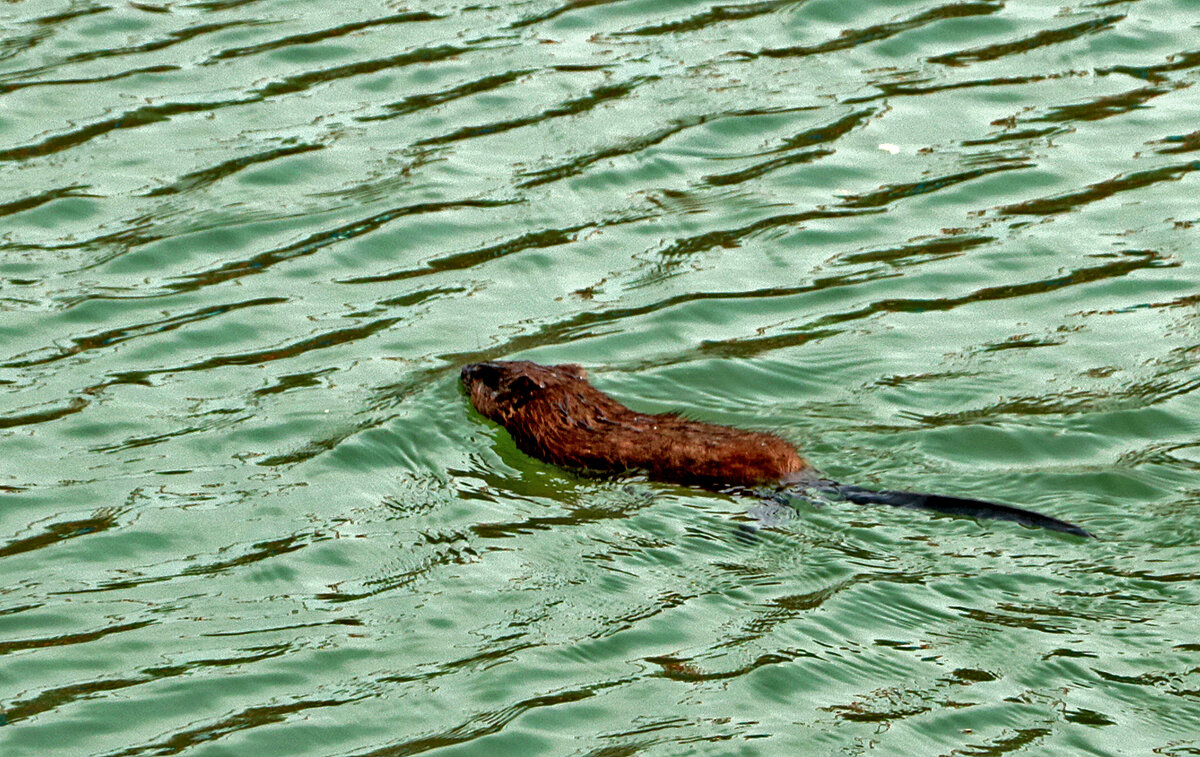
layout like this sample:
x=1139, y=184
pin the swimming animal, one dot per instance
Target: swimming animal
x=554, y=414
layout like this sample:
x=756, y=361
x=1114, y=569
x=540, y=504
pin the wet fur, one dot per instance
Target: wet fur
x=554, y=414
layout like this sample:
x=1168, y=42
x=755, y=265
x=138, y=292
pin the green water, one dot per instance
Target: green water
x=245, y=246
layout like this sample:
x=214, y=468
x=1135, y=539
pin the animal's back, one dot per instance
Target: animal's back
x=555, y=414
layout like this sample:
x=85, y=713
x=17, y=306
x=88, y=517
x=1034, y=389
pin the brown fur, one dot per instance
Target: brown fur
x=554, y=414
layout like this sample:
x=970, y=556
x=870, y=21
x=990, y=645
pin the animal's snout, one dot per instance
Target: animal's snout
x=479, y=372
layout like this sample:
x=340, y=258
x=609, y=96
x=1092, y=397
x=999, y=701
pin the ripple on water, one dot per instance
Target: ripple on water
x=244, y=505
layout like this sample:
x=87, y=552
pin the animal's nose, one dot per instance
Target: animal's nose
x=477, y=371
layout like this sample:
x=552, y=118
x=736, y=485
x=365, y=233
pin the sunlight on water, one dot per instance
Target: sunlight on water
x=246, y=245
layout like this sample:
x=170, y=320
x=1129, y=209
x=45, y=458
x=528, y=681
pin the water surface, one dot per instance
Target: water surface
x=245, y=246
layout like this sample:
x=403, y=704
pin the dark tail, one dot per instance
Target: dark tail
x=974, y=508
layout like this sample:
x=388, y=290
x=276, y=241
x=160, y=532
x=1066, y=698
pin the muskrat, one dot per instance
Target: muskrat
x=555, y=415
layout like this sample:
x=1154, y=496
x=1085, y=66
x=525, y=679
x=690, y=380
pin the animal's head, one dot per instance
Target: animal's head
x=500, y=389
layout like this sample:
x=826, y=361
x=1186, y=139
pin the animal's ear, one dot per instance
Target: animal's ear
x=524, y=385
x=575, y=369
